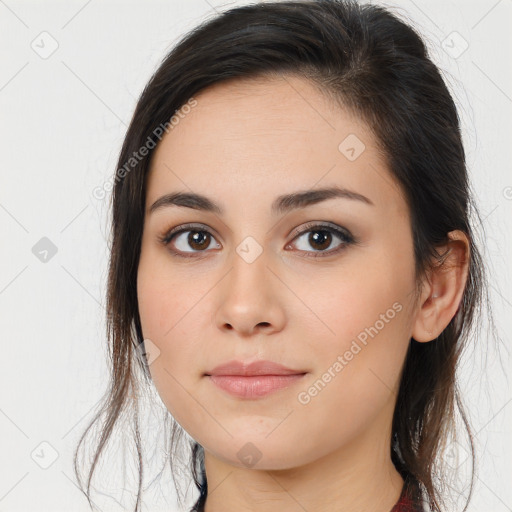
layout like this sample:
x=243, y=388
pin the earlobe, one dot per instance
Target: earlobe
x=443, y=290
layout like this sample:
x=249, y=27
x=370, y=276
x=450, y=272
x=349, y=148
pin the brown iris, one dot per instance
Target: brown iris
x=197, y=239
x=319, y=239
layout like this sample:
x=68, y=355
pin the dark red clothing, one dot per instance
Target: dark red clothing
x=405, y=503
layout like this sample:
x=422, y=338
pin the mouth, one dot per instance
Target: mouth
x=254, y=379
x=254, y=386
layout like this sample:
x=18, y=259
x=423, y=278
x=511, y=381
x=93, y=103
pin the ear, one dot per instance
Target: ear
x=442, y=290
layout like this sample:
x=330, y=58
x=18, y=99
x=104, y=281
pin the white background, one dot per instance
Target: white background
x=63, y=119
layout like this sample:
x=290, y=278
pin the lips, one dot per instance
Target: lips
x=255, y=368
x=253, y=380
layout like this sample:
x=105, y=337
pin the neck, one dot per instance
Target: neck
x=357, y=478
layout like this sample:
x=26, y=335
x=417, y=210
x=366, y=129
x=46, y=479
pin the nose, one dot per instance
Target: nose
x=250, y=298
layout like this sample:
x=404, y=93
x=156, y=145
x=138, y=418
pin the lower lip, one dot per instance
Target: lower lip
x=254, y=386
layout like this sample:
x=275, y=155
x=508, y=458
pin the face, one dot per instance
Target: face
x=322, y=285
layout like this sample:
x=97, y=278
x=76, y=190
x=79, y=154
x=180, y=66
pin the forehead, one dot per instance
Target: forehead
x=280, y=109
x=265, y=134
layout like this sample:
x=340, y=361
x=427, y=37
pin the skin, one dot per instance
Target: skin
x=243, y=144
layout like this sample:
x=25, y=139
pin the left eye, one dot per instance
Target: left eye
x=320, y=238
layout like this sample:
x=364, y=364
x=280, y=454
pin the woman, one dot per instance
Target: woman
x=292, y=263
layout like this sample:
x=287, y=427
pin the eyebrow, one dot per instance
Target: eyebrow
x=282, y=204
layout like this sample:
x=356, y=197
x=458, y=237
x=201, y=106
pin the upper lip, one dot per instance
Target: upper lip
x=254, y=368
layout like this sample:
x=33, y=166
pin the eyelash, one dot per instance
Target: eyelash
x=346, y=237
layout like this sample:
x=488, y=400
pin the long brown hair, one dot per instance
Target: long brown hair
x=377, y=66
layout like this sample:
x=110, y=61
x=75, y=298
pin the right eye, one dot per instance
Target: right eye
x=182, y=238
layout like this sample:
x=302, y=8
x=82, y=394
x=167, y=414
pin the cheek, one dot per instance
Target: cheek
x=163, y=315
x=365, y=331
x=165, y=301
x=169, y=308
x=357, y=366
x=362, y=302
x=167, y=316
